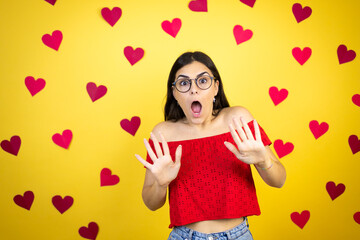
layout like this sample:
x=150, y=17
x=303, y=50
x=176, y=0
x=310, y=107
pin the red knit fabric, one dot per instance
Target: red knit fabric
x=212, y=183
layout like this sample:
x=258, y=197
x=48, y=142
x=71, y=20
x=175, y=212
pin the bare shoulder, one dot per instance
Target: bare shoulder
x=237, y=112
x=165, y=128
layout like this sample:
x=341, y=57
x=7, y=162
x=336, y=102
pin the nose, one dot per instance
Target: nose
x=193, y=88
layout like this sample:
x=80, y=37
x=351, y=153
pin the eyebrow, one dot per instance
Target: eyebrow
x=200, y=74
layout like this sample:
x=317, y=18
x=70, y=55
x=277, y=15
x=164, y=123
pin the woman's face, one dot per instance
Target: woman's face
x=196, y=103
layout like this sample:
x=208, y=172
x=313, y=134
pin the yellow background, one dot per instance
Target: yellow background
x=92, y=51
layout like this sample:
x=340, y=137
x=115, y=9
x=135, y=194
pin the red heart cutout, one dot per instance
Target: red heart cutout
x=52, y=2
x=354, y=144
x=278, y=96
x=301, y=13
x=334, y=190
x=301, y=55
x=345, y=55
x=171, y=28
x=89, y=232
x=63, y=140
x=53, y=41
x=133, y=56
x=250, y=3
x=198, y=5
x=241, y=35
x=356, y=99
x=34, y=86
x=95, y=92
x=12, y=146
x=131, y=126
x=111, y=16
x=357, y=217
x=62, y=204
x=25, y=201
x=283, y=149
x=318, y=129
x=300, y=219
x=106, y=179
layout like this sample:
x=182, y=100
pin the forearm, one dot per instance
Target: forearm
x=274, y=175
x=154, y=196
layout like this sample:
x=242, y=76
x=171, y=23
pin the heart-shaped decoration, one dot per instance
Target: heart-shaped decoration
x=53, y=41
x=95, y=92
x=357, y=217
x=356, y=99
x=301, y=55
x=300, y=219
x=12, y=146
x=107, y=179
x=111, y=16
x=278, y=96
x=62, y=204
x=301, y=13
x=131, y=126
x=63, y=140
x=354, y=144
x=34, y=86
x=250, y=3
x=345, y=55
x=172, y=28
x=25, y=201
x=198, y=6
x=242, y=35
x=318, y=129
x=133, y=56
x=52, y=2
x=334, y=190
x=89, y=232
x=283, y=149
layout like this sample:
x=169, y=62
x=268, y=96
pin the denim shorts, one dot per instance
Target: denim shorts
x=240, y=232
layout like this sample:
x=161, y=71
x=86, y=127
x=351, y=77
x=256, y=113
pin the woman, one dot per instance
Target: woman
x=202, y=152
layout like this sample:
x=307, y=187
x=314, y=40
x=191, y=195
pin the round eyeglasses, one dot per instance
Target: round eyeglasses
x=183, y=84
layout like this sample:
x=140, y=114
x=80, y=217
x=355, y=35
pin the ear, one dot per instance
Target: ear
x=174, y=92
x=216, y=85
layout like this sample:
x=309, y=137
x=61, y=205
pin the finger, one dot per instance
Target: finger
x=150, y=151
x=235, y=136
x=158, y=150
x=145, y=163
x=239, y=129
x=257, y=131
x=178, y=154
x=232, y=148
x=249, y=134
x=165, y=145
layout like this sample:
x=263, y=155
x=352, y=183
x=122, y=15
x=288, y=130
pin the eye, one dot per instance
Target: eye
x=183, y=82
x=203, y=80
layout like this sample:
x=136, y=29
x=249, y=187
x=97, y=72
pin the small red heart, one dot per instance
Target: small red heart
x=250, y=3
x=356, y=99
x=25, y=201
x=62, y=204
x=278, y=96
x=95, y=92
x=106, y=179
x=283, y=149
x=318, y=129
x=345, y=55
x=131, y=126
x=52, y=2
x=301, y=13
x=111, y=16
x=53, y=41
x=89, y=232
x=172, y=28
x=198, y=6
x=334, y=190
x=12, y=146
x=301, y=55
x=357, y=217
x=63, y=140
x=133, y=56
x=242, y=35
x=34, y=86
x=354, y=144
x=300, y=219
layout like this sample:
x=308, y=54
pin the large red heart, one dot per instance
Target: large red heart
x=62, y=204
x=25, y=201
x=133, y=56
x=345, y=55
x=241, y=35
x=172, y=28
x=63, y=140
x=131, y=126
x=107, y=179
x=278, y=96
x=111, y=16
x=357, y=217
x=318, y=129
x=300, y=219
x=12, y=146
x=301, y=55
x=53, y=41
x=34, y=86
x=52, y=2
x=250, y=3
x=301, y=13
x=334, y=190
x=89, y=232
x=198, y=6
x=283, y=149
x=354, y=144
x=356, y=99
x=95, y=92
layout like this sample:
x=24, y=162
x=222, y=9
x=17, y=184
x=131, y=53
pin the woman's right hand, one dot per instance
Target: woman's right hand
x=163, y=168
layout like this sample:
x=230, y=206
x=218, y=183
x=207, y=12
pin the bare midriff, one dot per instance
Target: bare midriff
x=214, y=226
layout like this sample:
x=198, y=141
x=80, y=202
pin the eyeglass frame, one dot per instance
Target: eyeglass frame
x=195, y=80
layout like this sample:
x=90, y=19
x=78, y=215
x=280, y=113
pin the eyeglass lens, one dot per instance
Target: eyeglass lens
x=184, y=84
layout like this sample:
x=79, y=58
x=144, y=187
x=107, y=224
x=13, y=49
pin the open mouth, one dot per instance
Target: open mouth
x=196, y=108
